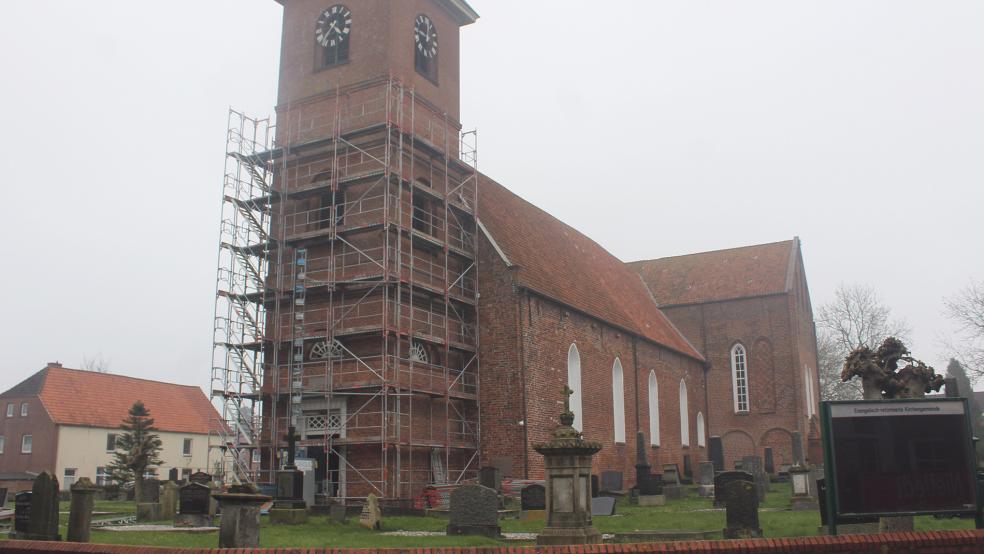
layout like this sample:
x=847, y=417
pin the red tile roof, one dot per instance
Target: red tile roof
x=560, y=263
x=90, y=399
x=720, y=275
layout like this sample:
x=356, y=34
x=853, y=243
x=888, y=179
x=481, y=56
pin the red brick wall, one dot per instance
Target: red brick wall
x=951, y=542
x=44, y=437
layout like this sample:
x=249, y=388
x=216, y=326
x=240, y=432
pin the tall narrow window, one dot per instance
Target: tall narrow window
x=574, y=382
x=10, y=410
x=739, y=378
x=26, y=444
x=653, y=409
x=333, y=34
x=808, y=390
x=684, y=415
x=186, y=450
x=102, y=476
x=111, y=442
x=24, y=409
x=3, y=443
x=701, y=441
x=618, y=400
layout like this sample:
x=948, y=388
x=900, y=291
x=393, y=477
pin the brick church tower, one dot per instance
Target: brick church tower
x=371, y=343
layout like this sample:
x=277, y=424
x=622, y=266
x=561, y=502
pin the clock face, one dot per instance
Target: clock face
x=334, y=26
x=425, y=36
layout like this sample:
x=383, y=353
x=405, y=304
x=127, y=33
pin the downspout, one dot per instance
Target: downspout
x=707, y=369
x=635, y=364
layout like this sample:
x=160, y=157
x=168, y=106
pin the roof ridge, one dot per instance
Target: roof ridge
x=94, y=373
x=719, y=250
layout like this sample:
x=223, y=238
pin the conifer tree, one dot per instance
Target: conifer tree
x=137, y=449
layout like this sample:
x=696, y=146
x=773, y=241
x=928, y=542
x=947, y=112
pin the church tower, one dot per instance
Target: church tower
x=370, y=344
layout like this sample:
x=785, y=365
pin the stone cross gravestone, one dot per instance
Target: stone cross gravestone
x=490, y=477
x=611, y=481
x=603, y=506
x=80, y=510
x=715, y=452
x=474, y=511
x=193, y=503
x=723, y=478
x=371, y=516
x=36, y=514
x=533, y=497
x=741, y=509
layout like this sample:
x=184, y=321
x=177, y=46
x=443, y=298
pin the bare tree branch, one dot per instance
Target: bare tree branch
x=966, y=309
x=98, y=364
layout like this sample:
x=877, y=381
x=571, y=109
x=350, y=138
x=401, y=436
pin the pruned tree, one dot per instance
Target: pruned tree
x=856, y=318
x=97, y=364
x=955, y=370
x=966, y=309
x=137, y=450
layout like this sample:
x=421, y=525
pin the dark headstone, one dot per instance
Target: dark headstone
x=36, y=513
x=603, y=506
x=22, y=512
x=798, y=458
x=652, y=485
x=642, y=465
x=3, y=497
x=741, y=509
x=611, y=481
x=705, y=473
x=474, y=511
x=770, y=463
x=151, y=491
x=715, y=452
x=595, y=486
x=172, y=475
x=337, y=513
x=688, y=470
x=193, y=504
x=490, y=477
x=533, y=497
x=723, y=478
x=80, y=510
x=200, y=477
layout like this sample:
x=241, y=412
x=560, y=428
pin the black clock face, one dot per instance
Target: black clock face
x=334, y=26
x=425, y=36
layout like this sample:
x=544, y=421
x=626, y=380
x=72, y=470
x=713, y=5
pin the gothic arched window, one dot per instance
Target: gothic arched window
x=574, y=382
x=653, y=409
x=739, y=378
x=684, y=415
x=618, y=400
x=701, y=441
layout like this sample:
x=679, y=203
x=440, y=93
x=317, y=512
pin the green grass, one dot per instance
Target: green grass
x=691, y=513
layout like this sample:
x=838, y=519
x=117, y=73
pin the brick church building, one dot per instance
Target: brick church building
x=411, y=320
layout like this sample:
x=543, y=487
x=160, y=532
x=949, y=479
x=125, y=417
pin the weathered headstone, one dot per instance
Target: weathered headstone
x=490, y=477
x=372, y=516
x=3, y=497
x=723, y=478
x=798, y=458
x=753, y=465
x=769, y=460
x=240, y=524
x=36, y=513
x=671, y=474
x=170, y=496
x=533, y=497
x=193, y=502
x=200, y=477
x=172, y=475
x=474, y=511
x=715, y=452
x=603, y=506
x=688, y=470
x=611, y=481
x=22, y=513
x=80, y=510
x=705, y=477
x=289, y=508
x=741, y=509
x=337, y=513
x=150, y=491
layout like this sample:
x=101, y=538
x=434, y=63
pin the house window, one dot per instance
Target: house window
x=739, y=378
x=701, y=441
x=26, y=444
x=684, y=417
x=24, y=409
x=69, y=478
x=102, y=476
x=653, y=409
x=574, y=382
x=186, y=474
x=3, y=443
x=10, y=410
x=618, y=400
x=111, y=442
x=186, y=450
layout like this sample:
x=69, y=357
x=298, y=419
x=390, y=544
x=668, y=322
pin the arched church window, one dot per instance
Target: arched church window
x=574, y=382
x=739, y=378
x=653, y=409
x=333, y=35
x=701, y=440
x=684, y=415
x=618, y=400
x=425, y=47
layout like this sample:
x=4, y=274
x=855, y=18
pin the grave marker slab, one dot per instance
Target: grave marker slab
x=150, y=491
x=725, y=477
x=595, y=486
x=22, y=512
x=193, y=504
x=3, y=497
x=611, y=481
x=603, y=506
x=741, y=505
x=533, y=497
x=490, y=477
x=688, y=470
x=371, y=516
x=474, y=511
x=754, y=465
x=671, y=475
x=769, y=460
x=715, y=452
x=36, y=513
x=170, y=496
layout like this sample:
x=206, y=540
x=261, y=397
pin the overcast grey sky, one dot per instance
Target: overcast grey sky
x=655, y=127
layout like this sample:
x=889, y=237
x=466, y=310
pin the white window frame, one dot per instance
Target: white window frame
x=701, y=430
x=684, y=414
x=102, y=476
x=653, y=409
x=739, y=378
x=618, y=400
x=187, y=447
x=808, y=391
x=10, y=409
x=574, y=383
x=3, y=444
x=69, y=480
x=23, y=409
x=27, y=444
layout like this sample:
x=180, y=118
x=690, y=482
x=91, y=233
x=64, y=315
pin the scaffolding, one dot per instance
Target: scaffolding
x=366, y=306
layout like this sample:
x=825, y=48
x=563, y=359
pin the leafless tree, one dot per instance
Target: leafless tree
x=966, y=309
x=99, y=364
x=856, y=317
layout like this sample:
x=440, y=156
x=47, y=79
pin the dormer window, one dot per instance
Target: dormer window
x=333, y=35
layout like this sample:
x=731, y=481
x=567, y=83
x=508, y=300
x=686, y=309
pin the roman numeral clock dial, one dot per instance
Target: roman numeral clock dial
x=425, y=36
x=334, y=26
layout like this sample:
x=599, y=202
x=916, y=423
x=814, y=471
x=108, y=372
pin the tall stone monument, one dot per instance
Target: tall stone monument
x=289, y=507
x=80, y=510
x=240, y=524
x=567, y=460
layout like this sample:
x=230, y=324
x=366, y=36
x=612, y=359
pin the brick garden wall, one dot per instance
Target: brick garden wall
x=950, y=542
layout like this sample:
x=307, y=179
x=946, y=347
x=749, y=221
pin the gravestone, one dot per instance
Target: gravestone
x=723, y=478
x=533, y=497
x=80, y=510
x=3, y=497
x=595, y=486
x=715, y=452
x=371, y=517
x=798, y=458
x=770, y=464
x=741, y=510
x=240, y=524
x=490, y=477
x=611, y=481
x=474, y=511
x=753, y=465
x=671, y=474
x=193, y=503
x=151, y=491
x=172, y=475
x=36, y=513
x=337, y=513
x=705, y=477
x=200, y=477
x=170, y=495
x=603, y=506
x=688, y=470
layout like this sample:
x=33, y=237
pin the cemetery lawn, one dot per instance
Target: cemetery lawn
x=692, y=513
